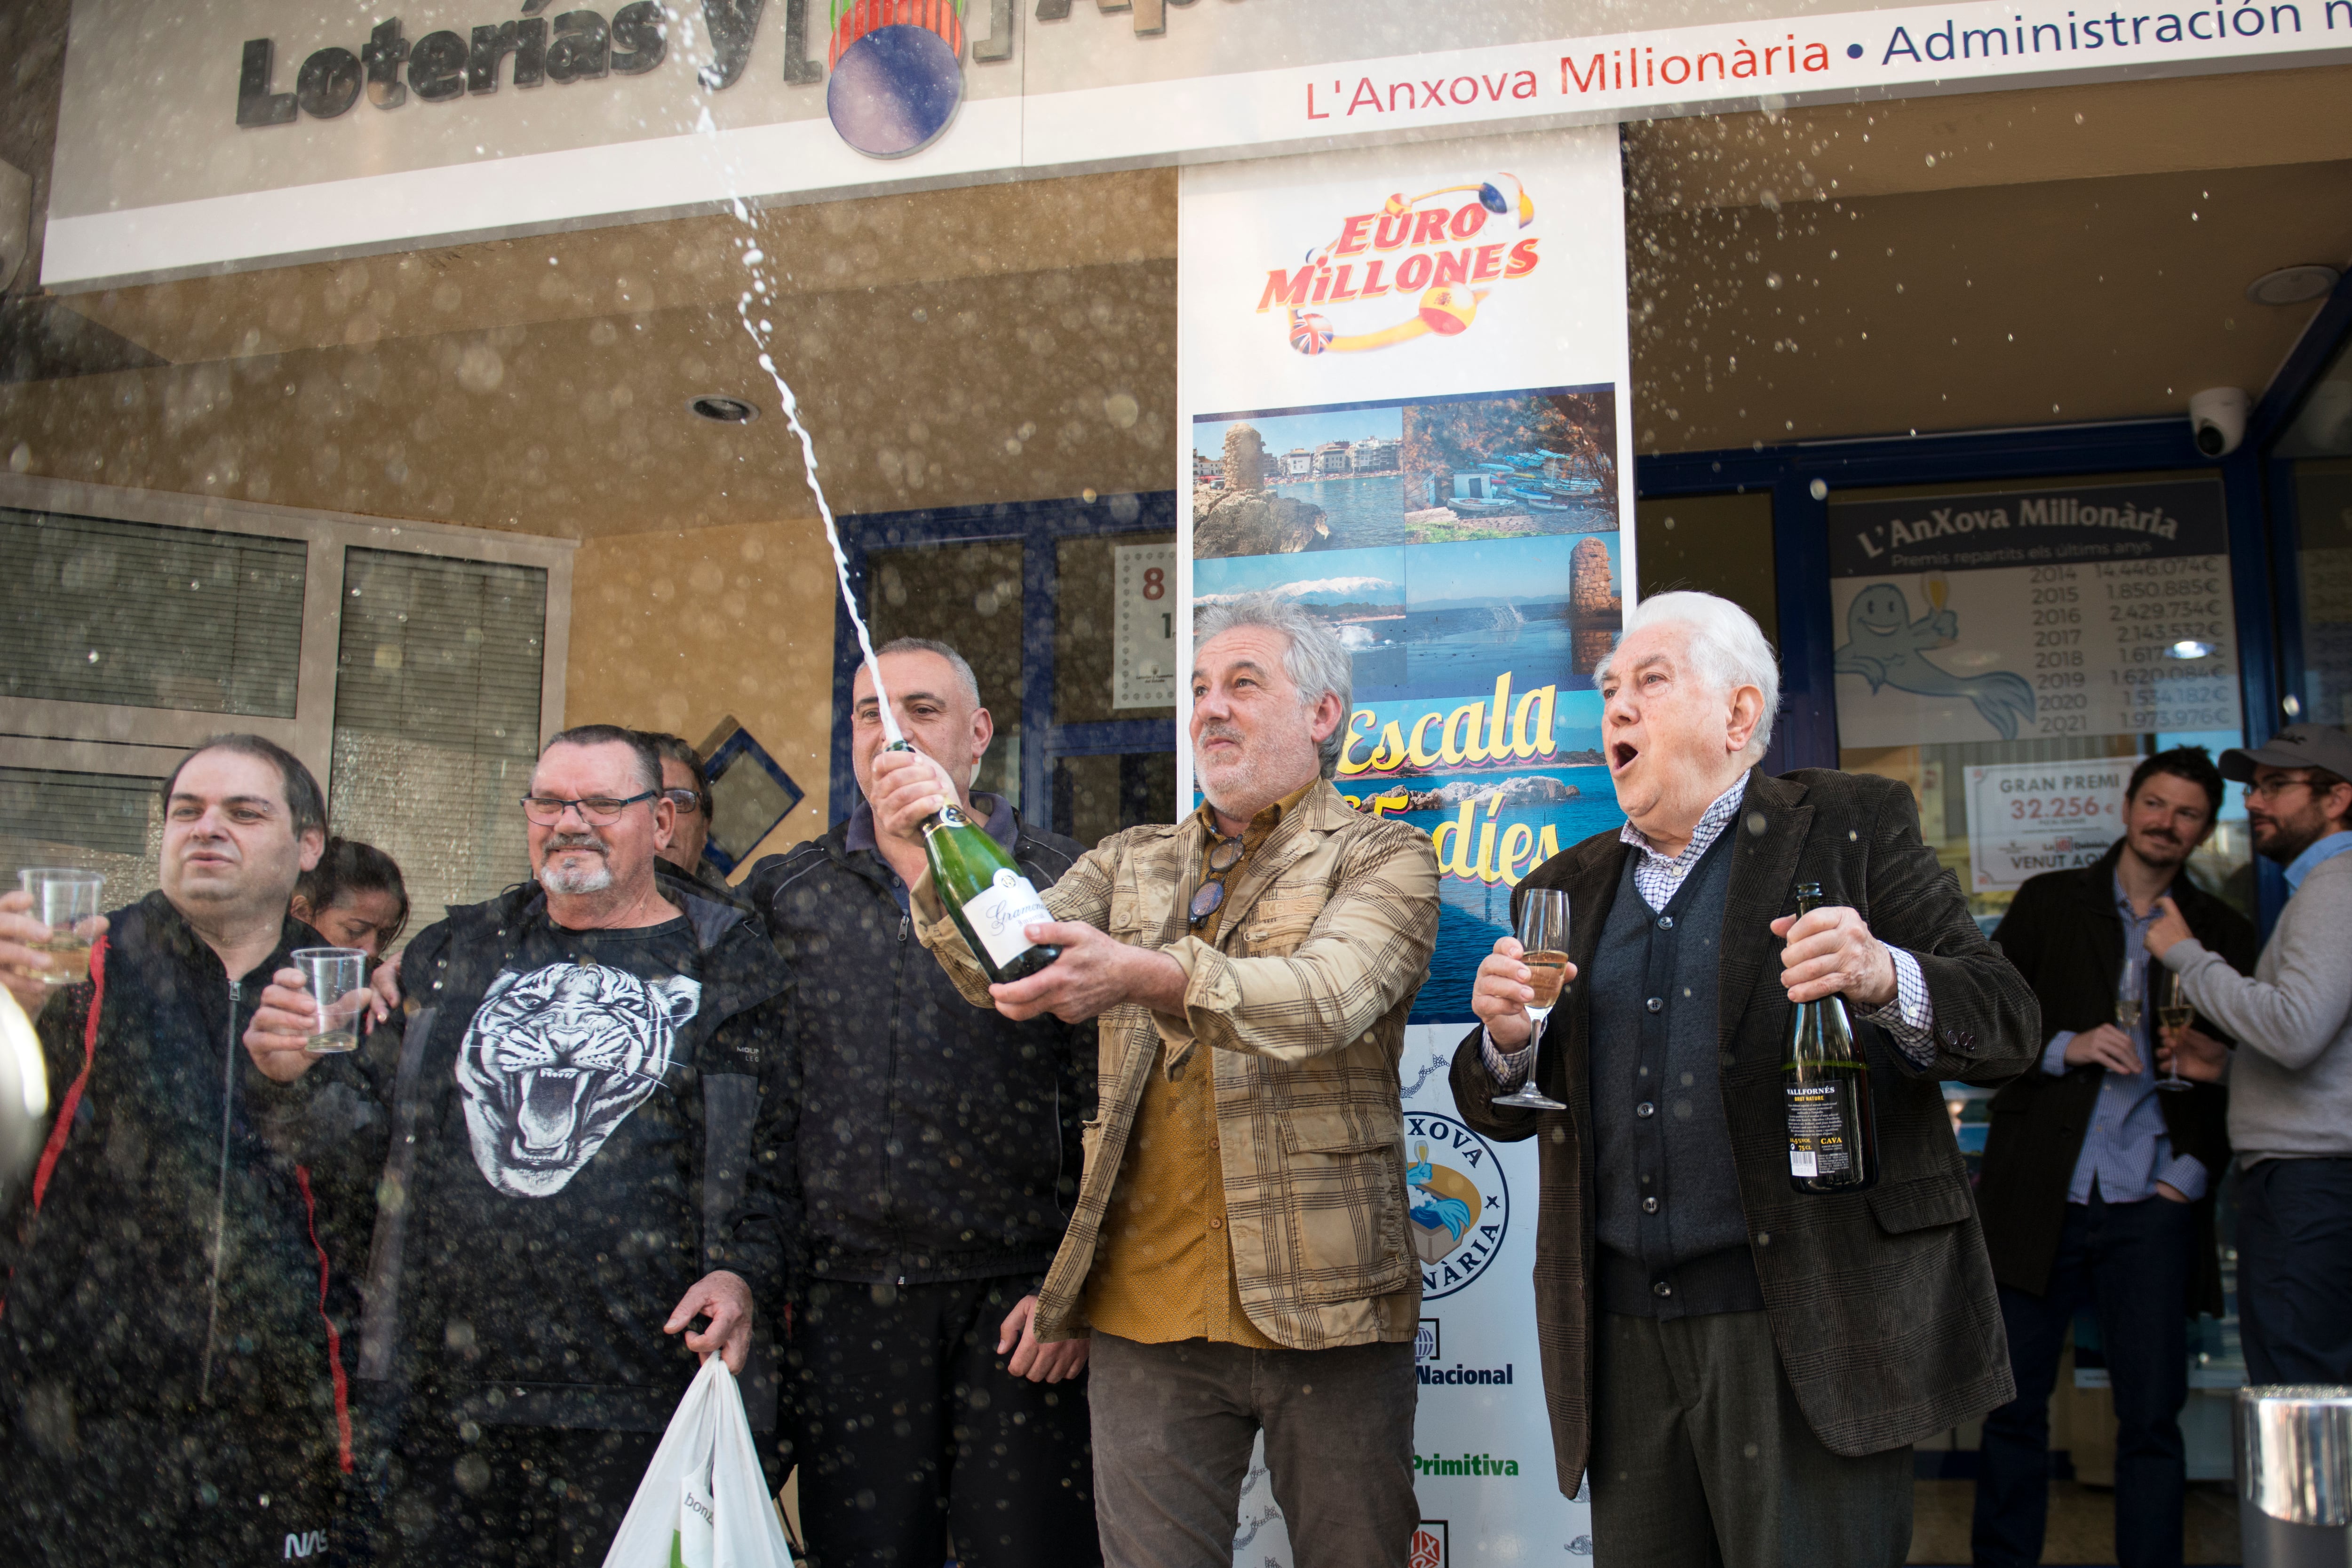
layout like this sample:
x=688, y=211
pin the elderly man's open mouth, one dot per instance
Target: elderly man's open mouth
x=1621, y=754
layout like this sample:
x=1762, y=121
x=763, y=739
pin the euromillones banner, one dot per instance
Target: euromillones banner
x=1401, y=377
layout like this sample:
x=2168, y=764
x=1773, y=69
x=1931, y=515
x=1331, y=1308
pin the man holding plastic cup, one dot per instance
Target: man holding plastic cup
x=579, y=1195
x=169, y=1358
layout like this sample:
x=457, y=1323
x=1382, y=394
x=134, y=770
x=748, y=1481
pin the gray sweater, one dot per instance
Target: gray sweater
x=2291, y=1076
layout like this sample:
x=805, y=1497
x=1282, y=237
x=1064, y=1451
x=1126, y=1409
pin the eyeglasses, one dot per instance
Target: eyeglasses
x=596, y=810
x=1210, y=898
x=684, y=799
x=2272, y=788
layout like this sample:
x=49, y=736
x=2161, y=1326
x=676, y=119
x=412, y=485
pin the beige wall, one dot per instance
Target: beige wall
x=678, y=629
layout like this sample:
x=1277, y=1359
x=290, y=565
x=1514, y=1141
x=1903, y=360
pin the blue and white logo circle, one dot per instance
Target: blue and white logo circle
x=894, y=89
x=1457, y=1202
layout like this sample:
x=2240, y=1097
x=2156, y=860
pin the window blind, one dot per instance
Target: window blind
x=437, y=718
x=101, y=822
x=133, y=615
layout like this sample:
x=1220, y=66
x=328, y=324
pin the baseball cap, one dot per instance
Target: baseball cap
x=2297, y=746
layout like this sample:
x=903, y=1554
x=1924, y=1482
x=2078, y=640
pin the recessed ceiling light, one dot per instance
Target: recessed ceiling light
x=2293, y=285
x=722, y=409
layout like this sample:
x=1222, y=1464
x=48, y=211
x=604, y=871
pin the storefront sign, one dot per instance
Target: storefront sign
x=2034, y=615
x=478, y=125
x=1143, y=628
x=1400, y=375
x=2025, y=818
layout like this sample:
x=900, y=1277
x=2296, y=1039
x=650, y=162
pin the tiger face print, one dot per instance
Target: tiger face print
x=555, y=1060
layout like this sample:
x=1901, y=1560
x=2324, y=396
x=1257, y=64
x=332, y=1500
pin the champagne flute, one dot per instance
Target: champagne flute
x=2174, y=1013
x=1543, y=934
x=2127, y=998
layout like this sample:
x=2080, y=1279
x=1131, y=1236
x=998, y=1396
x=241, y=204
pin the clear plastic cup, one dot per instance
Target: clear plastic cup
x=64, y=899
x=336, y=978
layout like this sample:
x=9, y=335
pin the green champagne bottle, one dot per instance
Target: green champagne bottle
x=985, y=892
x=1833, y=1129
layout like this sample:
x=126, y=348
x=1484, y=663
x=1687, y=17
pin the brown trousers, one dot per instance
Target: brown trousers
x=1174, y=1426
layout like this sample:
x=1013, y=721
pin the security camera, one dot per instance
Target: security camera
x=2218, y=415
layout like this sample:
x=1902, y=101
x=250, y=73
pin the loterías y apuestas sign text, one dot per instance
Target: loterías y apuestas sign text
x=584, y=45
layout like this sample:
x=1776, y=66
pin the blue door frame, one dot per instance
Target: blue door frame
x=1040, y=526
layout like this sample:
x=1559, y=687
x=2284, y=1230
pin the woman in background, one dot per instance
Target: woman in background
x=354, y=897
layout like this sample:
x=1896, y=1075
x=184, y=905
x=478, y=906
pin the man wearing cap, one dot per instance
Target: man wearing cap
x=2290, y=1079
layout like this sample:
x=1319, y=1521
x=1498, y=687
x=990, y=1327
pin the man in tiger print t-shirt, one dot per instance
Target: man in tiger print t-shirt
x=578, y=1191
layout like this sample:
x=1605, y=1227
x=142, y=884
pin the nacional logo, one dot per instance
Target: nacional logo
x=1458, y=1204
x=1443, y=253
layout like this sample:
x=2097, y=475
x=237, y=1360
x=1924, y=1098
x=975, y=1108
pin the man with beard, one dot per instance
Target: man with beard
x=585, y=1137
x=2291, y=1076
x=181, y=1274
x=1747, y=1366
x=1238, y=1252
x=2097, y=1187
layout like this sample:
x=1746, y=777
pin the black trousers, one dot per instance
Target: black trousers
x=2130, y=1262
x=1701, y=1457
x=218, y=1491
x=909, y=1428
x=534, y=1497
x=2295, y=1270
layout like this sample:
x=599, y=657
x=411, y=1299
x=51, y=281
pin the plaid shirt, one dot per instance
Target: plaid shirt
x=1323, y=938
x=1910, y=1020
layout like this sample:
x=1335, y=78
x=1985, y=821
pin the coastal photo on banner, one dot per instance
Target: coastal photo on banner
x=1403, y=395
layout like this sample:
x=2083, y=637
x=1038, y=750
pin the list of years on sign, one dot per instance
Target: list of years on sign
x=2108, y=646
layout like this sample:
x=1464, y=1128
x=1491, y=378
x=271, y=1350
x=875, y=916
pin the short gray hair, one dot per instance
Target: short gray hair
x=1314, y=661
x=1725, y=643
x=956, y=661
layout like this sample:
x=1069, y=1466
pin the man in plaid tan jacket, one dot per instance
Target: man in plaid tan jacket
x=1239, y=1255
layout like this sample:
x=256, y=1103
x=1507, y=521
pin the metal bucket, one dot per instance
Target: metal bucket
x=2294, y=1447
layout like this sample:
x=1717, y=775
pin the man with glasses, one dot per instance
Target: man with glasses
x=685, y=788
x=1239, y=1251
x=2291, y=1077
x=585, y=1139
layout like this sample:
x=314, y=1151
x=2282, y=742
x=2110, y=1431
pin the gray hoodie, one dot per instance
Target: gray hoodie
x=2291, y=1076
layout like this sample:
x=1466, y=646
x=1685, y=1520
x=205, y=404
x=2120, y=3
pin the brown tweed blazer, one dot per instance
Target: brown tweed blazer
x=1302, y=1003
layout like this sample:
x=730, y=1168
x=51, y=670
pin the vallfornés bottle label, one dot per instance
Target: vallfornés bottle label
x=1001, y=913
x=1817, y=1122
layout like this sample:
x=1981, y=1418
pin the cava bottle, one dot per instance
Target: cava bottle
x=985, y=894
x=1832, y=1133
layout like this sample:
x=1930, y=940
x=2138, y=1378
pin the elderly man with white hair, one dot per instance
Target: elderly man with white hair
x=1743, y=1367
x=1238, y=1255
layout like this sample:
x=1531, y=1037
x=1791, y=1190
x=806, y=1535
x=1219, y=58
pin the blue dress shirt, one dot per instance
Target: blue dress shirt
x=2301, y=866
x=2126, y=1150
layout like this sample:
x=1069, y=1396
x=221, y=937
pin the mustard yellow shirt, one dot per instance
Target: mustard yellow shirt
x=1163, y=1266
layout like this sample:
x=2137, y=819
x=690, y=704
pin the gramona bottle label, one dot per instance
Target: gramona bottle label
x=1001, y=913
x=1817, y=1141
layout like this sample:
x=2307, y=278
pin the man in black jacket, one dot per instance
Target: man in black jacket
x=1747, y=1365
x=587, y=1137
x=939, y=1159
x=182, y=1272
x=2097, y=1187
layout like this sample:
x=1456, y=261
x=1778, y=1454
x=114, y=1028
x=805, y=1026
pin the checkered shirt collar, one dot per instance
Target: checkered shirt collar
x=1658, y=876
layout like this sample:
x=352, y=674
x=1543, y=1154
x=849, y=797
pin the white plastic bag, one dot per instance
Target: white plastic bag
x=703, y=1503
